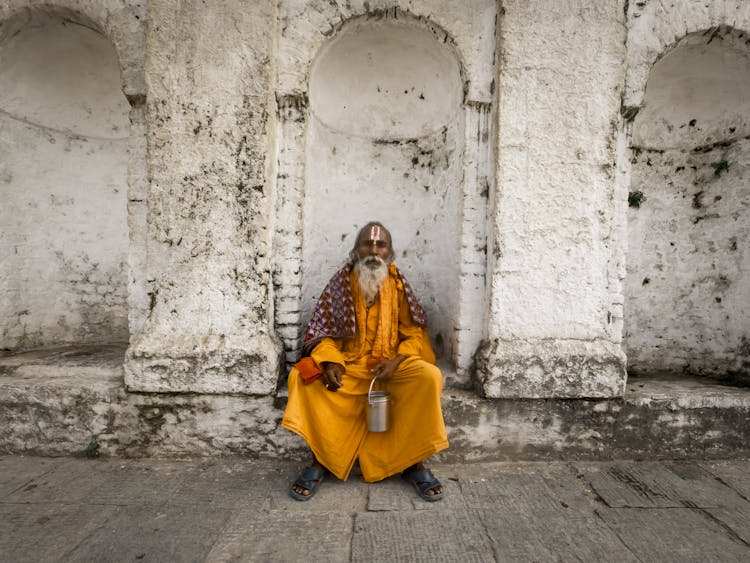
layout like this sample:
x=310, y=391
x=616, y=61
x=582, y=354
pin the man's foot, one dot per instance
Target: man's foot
x=306, y=485
x=426, y=484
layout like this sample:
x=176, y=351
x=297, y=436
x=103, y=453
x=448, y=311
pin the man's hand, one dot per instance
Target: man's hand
x=385, y=368
x=332, y=373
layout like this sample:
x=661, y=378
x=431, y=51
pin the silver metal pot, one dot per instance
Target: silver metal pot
x=377, y=409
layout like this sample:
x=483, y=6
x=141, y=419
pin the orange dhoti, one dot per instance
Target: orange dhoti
x=334, y=424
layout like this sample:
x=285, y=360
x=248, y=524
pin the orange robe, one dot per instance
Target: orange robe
x=334, y=424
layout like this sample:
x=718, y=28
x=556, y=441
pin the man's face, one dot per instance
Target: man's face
x=375, y=241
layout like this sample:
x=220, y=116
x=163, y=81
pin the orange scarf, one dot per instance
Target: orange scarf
x=386, y=336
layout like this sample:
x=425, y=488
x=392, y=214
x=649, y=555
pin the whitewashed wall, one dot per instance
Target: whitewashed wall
x=63, y=172
x=687, y=295
x=210, y=121
x=385, y=142
x=346, y=127
x=555, y=298
x=238, y=208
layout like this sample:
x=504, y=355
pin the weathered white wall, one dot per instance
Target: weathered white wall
x=63, y=171
x=687, y=295
x=392, y=140
x=306, y=25
x=385, y=142
x=210, y=153
x=552, y=329
x=242, y=105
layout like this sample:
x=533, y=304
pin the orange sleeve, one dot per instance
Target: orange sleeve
x=409, y=334
x=328, y=350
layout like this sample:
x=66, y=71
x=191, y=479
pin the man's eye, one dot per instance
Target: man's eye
x=380, y=244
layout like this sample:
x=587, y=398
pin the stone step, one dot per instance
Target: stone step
x=70, y=400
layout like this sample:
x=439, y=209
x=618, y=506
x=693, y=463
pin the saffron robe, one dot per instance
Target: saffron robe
x=334, y=424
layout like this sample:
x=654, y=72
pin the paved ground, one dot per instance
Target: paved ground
x=230, y=509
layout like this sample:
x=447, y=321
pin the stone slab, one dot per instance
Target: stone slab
x=100, y=482
x=152, y=533
x=535, y=489
x=70, y=482
x=660, y=485
x=674, y=535
x=736, y=521
x=530, y=536
x=424, y=535
x=96, y=368
x=46, y=532
x=684, y=392
x=229, y=484
x=395, y=494
x=654, y=485
x=18, y=472
x=699, y=487
x=346, y=496
x=732, y=473
x=284, y=535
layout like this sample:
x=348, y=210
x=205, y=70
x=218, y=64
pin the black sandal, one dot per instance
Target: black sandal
x=309, y=479
x=423, y=480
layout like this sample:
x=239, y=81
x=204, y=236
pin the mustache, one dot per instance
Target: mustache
x=374, y=261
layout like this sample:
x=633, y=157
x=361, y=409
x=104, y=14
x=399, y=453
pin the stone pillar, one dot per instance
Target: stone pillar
x=551, y=331
x=208, y=79
x=138, y=298
x=290, y=182
x=477, y=185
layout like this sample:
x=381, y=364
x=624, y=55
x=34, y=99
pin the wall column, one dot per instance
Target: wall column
x=551, y=331
x=208, y=328
x=290, y=182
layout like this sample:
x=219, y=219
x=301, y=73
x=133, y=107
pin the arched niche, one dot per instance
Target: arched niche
x=391, y=124
x=64, y=140
x=385, y=141
x=687, y=292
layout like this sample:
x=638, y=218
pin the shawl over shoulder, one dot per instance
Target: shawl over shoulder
x=334, y=315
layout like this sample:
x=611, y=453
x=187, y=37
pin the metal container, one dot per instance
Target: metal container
x=377, y=409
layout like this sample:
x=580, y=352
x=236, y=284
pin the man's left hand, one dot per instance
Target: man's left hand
x=386, y=368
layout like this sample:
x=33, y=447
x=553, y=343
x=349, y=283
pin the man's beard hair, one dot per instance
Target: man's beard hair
x=371, y=272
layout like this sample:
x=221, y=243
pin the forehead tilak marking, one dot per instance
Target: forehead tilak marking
x=375, y=233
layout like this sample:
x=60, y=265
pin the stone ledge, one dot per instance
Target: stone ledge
x=206, y=365
x=51, y=405
x=551, y=368
x=658, y=418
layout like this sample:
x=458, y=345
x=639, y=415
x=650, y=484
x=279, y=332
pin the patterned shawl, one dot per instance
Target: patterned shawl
x=334, y=314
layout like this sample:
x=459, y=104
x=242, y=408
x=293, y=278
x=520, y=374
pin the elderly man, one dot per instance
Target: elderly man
x=368, y=323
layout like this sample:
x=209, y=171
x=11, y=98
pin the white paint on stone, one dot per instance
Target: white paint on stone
x=121, y=21
x=552, y=294
x=385, y=142
x=209, y=136
x=63, y=169
x=687, y=291
x=306, y=25
x=696, y=94
x=235, y=150
x=654, y=27
x=440, y=139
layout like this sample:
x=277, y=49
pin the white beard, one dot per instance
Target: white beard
x=371, y=272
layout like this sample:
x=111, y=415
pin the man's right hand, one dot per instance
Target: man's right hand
x=332, y=373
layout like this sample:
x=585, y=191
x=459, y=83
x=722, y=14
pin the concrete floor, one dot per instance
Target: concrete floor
x=233, y=509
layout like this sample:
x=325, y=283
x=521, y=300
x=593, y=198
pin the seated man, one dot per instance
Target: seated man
x=368, y=323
